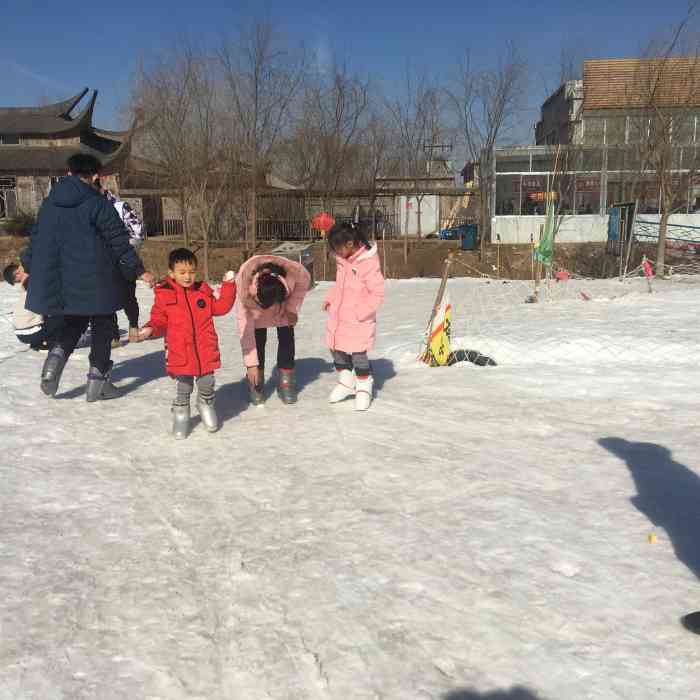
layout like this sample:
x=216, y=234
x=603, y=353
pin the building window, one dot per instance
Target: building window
x=594, y=131
x=8, y=197
x=508, y=195
x=8, y=140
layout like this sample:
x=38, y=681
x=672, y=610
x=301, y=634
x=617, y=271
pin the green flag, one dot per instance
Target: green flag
x=545, y=248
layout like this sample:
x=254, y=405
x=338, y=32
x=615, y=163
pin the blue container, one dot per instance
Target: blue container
x=470, y=236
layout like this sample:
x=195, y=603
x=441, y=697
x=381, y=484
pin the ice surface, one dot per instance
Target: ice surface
x=483, y=530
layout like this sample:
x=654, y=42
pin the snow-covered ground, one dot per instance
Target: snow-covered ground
x=529, y=531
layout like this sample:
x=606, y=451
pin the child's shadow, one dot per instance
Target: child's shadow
x=383, y=371
x=140, y=370
x=232, y=399
x=309, y=369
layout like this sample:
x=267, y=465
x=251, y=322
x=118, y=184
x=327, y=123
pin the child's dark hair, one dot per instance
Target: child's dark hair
x=347, y=233
x=84, y=165
x=270, y=290
x=181, y=255
x=9, y=273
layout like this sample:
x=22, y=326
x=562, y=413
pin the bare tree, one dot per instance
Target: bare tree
x=177, y=99
x=571, y=57
x=378, y=155
x=418, y=122
x=324, y=149
x=486, y=103
x=666, y=95
x=262, y=79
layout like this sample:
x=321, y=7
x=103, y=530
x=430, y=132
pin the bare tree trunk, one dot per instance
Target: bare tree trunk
x=205, y=266
x=419, y=230
x=253, y=220
x=661, y=249
x=484, y=223
x=183, y=214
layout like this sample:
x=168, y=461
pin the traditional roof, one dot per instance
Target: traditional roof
x=40, y=160
x=111, y=147
x=49, y=120
x=638, y=83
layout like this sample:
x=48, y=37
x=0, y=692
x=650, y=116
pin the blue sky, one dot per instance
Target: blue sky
x=50, y=50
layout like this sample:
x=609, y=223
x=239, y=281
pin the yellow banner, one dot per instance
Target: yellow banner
x=439, y=342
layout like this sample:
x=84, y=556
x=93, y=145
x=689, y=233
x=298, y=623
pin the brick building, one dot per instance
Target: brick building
x=609, y=107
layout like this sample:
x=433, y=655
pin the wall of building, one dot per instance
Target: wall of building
x=407, y=214
x=72, y=141
x=559, y=114
x=26, y=194
x=574, y=229
x=589, y=228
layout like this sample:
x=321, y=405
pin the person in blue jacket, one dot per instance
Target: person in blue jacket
x=80, y=260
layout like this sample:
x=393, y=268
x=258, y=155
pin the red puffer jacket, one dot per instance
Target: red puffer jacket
x=185, y=316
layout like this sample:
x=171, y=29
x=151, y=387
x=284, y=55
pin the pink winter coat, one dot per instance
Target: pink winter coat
x=251, y=316
x=353, y=302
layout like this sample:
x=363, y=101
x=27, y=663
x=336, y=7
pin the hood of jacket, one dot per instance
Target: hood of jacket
x=70, y=192
x=362, y=254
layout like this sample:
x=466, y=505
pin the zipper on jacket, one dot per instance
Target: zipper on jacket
x=194, y=333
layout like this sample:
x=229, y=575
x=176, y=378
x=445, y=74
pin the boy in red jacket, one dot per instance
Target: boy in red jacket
x=183, y=312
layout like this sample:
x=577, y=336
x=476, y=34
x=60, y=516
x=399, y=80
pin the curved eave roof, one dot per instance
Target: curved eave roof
x=51, y=120
x=120, y=136
x=39, y=160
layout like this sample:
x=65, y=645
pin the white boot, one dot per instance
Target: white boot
x=363, y=393
x=345, y=386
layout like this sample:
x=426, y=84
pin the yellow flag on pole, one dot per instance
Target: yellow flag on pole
x=439, y=341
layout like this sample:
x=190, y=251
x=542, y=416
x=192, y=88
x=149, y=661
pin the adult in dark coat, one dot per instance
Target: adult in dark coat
x=80, y=259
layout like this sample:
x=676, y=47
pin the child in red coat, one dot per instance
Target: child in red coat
x=183, y=312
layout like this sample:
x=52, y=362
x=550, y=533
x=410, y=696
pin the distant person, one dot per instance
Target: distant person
x=80, y=259
x=183, y=312
x=352, y=306
x=134, y=227
x=30, y=328
x=271, y=290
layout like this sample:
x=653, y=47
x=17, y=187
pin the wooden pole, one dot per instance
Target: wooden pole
x=538, y=272
x=498, y=256
x=386, y=272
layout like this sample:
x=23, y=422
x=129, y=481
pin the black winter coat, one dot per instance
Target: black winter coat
x=79, y=256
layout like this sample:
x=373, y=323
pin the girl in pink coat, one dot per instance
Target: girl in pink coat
x=271, y=291
x=352, y=313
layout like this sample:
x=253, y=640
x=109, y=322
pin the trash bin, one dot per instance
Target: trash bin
x=470, y=236
x=298, y=252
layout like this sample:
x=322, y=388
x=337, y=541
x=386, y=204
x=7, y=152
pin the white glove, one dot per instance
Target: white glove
x=229, y=276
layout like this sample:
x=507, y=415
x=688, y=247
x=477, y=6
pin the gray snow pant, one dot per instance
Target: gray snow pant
x=185, y=386
x=356, y=360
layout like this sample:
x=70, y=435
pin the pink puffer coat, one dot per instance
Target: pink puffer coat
x=353, y=302
x=250, y=316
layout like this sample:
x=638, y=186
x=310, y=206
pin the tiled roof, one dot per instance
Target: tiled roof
x=18, y=160
x=639, y=83
x=50, y=120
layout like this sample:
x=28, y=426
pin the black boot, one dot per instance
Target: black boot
x=286, y=386
x=52, y=370
x=99, y=386
x=256, y=394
